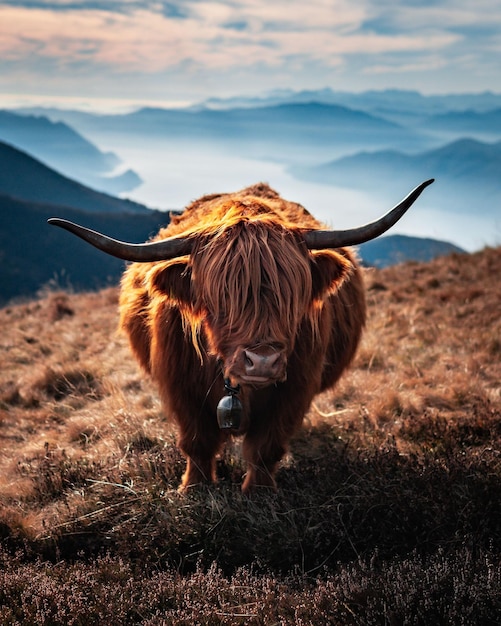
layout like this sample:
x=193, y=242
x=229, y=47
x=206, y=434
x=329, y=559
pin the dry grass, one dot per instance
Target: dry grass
x=389, y=509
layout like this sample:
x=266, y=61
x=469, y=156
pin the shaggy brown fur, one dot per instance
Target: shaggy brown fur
x=249, y=282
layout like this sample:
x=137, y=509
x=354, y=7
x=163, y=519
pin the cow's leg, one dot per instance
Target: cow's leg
x=262, y=456
x=274, y=418
x=188, y=389
x=265, y=444
x=199, y=446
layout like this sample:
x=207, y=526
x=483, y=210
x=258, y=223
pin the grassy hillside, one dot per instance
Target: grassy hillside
x=389, y=504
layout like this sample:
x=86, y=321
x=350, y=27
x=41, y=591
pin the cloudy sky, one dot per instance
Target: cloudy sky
x=166, y=51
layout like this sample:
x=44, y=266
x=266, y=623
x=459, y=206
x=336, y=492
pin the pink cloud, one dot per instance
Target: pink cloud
x=150, y=42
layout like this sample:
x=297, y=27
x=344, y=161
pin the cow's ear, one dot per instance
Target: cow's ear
x=172, y=279
x=328, y=269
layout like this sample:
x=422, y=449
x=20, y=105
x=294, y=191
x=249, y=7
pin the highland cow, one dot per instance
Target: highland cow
x=242, y=310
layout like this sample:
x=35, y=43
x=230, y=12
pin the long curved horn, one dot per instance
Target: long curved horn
x=140, y=252
x=320, y=239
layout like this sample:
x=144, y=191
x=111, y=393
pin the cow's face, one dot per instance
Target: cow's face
x=248, y=289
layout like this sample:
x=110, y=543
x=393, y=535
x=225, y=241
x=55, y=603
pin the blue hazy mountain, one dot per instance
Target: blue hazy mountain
x=405, y=100
x=460, y=113
x=466, y=171
x=60, y=147
x=310, y=125
x=486, y=123
x=277, y=132
x=24, y=177
x=393, y=249
x=310, y=114
x=403, y=106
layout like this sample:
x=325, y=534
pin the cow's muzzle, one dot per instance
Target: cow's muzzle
x=259, y=366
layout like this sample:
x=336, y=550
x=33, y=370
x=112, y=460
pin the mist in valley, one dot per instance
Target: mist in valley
x=347, y=158
x=177, y=172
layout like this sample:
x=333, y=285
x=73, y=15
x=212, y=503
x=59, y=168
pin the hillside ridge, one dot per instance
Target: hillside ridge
x=24, y=177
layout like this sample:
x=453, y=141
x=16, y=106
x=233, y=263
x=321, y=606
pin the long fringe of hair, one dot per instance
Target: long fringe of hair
x=253, y=276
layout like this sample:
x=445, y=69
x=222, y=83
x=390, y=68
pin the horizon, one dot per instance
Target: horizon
x=117, y=106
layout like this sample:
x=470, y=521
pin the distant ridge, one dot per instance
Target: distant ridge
x=34, y=254
x=393, y=249
x=61, y=148
x=263, y=131
x=384, y=100
x=312, y=120
x=470, y=121
x=22, y=176
x=466, y=170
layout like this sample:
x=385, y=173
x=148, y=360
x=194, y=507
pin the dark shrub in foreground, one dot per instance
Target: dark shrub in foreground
x=456, y=588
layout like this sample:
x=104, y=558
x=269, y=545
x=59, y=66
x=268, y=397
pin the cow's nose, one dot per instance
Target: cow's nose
x=268, y=364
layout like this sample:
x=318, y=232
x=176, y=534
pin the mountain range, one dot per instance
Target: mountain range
x=396, y=100
x=472, y=122
x=431, y=117
x=393, y=249
x=23, y=176
x=34, y=254
x=460, y=113
x=428, y=115
x=288, y=132
x=65, y=150
x=466, y=170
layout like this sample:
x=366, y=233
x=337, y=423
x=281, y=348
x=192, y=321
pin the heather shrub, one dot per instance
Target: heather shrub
x=459, y=587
